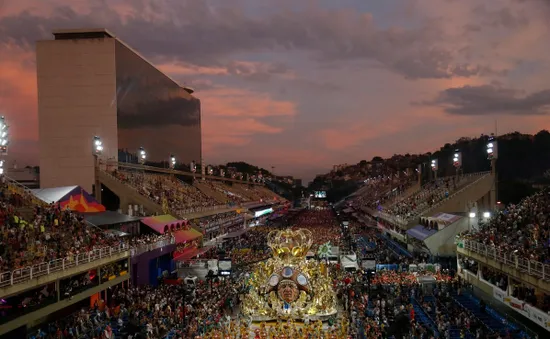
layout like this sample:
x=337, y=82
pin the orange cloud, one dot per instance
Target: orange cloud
x=234, y=102
x=232, y=117
x=18, y=92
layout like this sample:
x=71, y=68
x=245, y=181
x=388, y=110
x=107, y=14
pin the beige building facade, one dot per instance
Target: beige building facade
x=91, y=84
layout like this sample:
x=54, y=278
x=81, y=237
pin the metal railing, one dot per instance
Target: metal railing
x=530, y=267
x=25, y=274
x=137, y=250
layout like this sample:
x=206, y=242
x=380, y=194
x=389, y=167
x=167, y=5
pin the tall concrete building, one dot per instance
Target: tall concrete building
x=90, y=83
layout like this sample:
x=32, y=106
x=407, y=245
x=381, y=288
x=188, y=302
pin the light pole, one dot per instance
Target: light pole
x=492, y=155
x=457, y=161
x=4, y=141
x=172, y=162
x=471, y=217
x=142, y=156
x=97, y=150
x=435, y=167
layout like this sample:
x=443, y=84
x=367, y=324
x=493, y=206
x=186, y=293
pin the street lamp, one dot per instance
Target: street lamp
x=472, y=215
x=486, y=215
x=172, y=161
x=98, y=146
x=1, y=167
x=142, y=155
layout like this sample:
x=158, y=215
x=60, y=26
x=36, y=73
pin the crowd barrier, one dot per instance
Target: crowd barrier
x=530, y=267
x=25, y=274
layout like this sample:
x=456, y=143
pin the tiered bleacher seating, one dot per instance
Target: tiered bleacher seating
x=431, y=194
x=492, y=320
x=164, y=189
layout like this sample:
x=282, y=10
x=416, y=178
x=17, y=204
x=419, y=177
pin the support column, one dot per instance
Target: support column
x=58, y=290
x=97, y=183
x=493, y=195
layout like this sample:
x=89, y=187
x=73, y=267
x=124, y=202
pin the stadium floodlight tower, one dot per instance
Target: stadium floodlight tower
x=435, y=167
x=492, y=155
x=142, y=156
x=4, y=136
x=97, y=146
x=172, y=162
x=97, y=150
x=4, y=141
x=457, y=161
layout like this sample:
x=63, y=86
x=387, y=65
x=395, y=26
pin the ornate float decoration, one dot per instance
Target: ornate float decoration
x=287, y=286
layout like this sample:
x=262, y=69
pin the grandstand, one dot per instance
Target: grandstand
x=451, y=194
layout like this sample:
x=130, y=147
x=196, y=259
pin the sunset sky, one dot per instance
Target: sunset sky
x=305, y=84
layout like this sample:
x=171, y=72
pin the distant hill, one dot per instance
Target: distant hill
x=523, y=161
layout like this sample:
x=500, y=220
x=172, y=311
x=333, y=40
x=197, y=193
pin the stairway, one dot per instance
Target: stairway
x=128, y=194
x=422, y=318
x=490, y=317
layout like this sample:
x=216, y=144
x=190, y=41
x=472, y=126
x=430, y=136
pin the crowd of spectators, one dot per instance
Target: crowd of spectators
x=167, y=190
x=152, y=312
x=322, y=224
x=495, y=277
x=50, y=234
x=226, y=192
x=522, y=229
x=430, y=194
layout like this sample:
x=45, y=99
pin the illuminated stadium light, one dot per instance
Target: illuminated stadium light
x=98, y=145
x=172, y=161
x=4, y=136
x=435, y=164
x=486, y=215
x=142, y=156
x=457, y=159
x=472, y=214
x=492, y=148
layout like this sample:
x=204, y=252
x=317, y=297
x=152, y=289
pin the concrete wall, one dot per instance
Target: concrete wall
x=140, y=263
x=76, y=100
x=443, y=242
x=459, y=202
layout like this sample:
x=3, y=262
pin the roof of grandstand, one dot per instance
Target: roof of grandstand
x=108, y=218
x=158, y=222
x=54, y=194
x=420, y=232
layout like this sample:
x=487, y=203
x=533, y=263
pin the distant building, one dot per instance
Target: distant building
x=91, y=83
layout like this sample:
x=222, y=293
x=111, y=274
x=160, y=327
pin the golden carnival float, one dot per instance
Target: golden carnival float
x=287, y=286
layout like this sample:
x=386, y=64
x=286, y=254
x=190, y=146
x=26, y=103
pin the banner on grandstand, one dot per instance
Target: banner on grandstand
x=534, y=314
x=499, y=294
x=447, y=218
